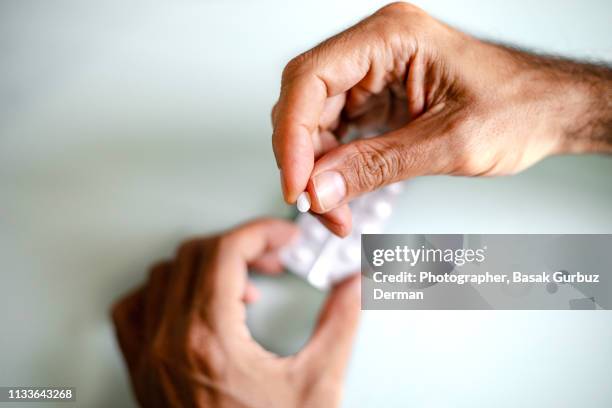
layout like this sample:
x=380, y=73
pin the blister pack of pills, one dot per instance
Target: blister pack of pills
x=322, y=258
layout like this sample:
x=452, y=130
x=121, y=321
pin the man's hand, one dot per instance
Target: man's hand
x=186, y=344
x=440, y=101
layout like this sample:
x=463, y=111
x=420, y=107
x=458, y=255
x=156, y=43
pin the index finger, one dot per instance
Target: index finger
x=327, y=70
x=226, y=276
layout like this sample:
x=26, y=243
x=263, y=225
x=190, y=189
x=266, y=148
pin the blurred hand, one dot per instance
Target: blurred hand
x=441, y=102
x=185, y=340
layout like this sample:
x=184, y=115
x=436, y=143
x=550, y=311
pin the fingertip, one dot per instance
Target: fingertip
x=251, y=293
x=293, y=184
x=351, y=285
x=279, y=230
x=344, y=218
x=268, y=264
x=287, y=189
x=337, y=230
x=338, y=221
x=284, y=188
x=347, y=298
x=343, y=229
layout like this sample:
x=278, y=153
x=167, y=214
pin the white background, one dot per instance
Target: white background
x=126, y=127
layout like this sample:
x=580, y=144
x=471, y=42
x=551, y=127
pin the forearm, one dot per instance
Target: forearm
x=592, y=132
x=579, y=96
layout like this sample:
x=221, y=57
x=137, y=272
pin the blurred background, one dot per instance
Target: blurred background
x=126, y=127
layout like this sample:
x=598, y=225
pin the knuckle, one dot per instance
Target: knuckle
x=196, y=348
x=236, y=235
x=373, y=165
x=127, y=310
x=400, y=21
x=159, y=269
x=185, y=249
x=225, y=244
x=227, y=240
x=195, y=247
x=117, y=314
x=293, y=67
x=398, y=8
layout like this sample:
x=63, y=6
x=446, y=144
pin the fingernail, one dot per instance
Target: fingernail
x=330, y=188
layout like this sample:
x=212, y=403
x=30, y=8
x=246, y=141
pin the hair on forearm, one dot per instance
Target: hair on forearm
x=593, y=79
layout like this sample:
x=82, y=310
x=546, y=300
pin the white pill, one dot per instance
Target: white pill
x=303, y=202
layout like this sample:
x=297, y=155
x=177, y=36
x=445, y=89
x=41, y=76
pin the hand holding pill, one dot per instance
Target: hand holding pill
x=420, y=86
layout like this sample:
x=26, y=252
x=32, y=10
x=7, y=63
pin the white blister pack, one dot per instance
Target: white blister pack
x=322, y=258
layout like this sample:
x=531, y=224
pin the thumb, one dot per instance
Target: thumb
x=331, y=343
x=367, y=164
